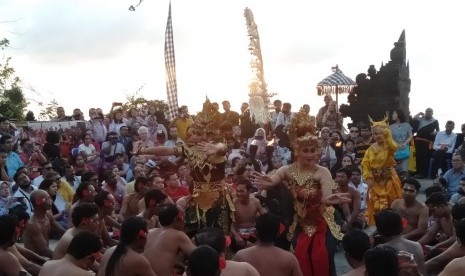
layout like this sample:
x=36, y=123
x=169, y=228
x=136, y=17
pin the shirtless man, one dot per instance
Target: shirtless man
x=413, y=211
x=82, y=253
x=283, y=262
x=152, y=200
x=106, y=205
x=247, y=209
x=389, y=226
x=130, y=206
x=456, y=250
x=441, y=233
x=31, y=261
x=41, y=224
x=355, y=244
x=126, y=259
x=85, y=193
x=351, y=214
x=214, y=237
x=85, y=217
x=164, y=244
x=9, y=264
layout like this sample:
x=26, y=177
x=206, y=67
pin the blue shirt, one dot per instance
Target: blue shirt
x=13, y=163
x=453, y=181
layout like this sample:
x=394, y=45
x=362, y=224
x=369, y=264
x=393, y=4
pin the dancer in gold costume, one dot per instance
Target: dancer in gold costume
x=378, y=168
x=313, y=232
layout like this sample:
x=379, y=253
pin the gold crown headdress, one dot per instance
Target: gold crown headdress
x=382, y=124
x=300, y=125
x=205, y=117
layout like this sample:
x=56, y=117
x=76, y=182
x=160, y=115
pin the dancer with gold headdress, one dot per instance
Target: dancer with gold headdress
x=211, y=203
x=313, y=232
x=378, y=168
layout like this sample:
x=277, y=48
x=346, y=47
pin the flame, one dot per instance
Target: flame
x=271, y=142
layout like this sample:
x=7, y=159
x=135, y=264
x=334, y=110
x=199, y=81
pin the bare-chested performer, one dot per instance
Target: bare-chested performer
x=164, y=244
x=85, y=217
x=105, y=203
x=39, y=227
x=247, y=209
x=126, y=259
x=152, y=200
x=82, y=253
x=214, y=237
x=85, y=193
x=265, y=257
x=31, y=261
x=389, y=226
x=343, y=176
x=130, y=206
x=9, y=264
x=413, y=211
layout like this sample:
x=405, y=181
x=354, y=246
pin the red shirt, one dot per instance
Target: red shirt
x=176, y=194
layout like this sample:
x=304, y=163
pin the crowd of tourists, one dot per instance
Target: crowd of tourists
x=218, y=194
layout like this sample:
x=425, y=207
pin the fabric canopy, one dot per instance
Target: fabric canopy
x=336, y=81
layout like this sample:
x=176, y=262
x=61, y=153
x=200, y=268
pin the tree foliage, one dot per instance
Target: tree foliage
x=30, y=116
x=50, y=111
x=139, y=102
x=12, y=101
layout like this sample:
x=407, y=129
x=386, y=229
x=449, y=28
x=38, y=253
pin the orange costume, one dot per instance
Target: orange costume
x=378, y=164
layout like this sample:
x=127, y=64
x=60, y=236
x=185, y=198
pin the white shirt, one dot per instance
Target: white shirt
x=442, y=138
x=20, y=193
x=362, y=189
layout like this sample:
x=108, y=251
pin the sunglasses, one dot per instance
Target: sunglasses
x=354, y=131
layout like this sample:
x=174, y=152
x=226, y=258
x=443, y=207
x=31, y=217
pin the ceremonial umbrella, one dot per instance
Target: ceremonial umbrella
x=335, y=83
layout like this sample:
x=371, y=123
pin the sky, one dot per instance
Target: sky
x=90, y=53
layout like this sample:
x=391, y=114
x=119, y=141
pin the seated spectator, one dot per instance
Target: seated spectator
x=65, y=190
x=459, y=196
x=111, y=147
x=214, y=237
x=123, y=167
x=173, y=188
x=85, y=218
x=70, y=177
x=349, y=148
x=97, y=126
x=362, y=187
x=83, y=252
x=389, y=226
x=40, y=226
x=453, y=176
x=80, y=164
x=117, y=121
x=31, y=156
x=144, y=140
x=134, y=121
x=457, y=266
x=350, y=211
x=413, y=212
x=126, y=258
x=59, y=206
x=6, y=200
x=9, y=264
x=259, y=256
x=44, y=168
x=3, y=169
x=355, y=244
x=23, y=194
x=443, y=148
x=88, y=149
x=13, y=161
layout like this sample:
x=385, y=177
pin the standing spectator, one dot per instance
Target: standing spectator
x=99, y=130
x=133, y=119
x=117, y=121
x=228, y=115
x=425, y=127
x=285, y=116
x=322, y=111
x=60, y=117
x=183, y=122
x=332, y=118
x=401, y=133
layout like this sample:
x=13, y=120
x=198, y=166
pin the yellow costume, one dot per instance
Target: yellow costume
x=378, y=164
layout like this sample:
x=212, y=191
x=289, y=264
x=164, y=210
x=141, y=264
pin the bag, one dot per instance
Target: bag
x=402, y=154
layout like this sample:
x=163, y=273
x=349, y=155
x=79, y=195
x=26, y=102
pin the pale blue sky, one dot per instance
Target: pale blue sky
x=79, y=51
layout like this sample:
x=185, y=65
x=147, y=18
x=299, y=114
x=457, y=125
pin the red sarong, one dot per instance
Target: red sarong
x=312, y=253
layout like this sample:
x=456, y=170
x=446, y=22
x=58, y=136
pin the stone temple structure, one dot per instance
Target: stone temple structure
x=381, y=91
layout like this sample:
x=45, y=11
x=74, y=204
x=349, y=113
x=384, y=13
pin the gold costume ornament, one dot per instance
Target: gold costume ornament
x=301, y=125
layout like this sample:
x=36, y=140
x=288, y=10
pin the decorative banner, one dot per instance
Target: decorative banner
x=170, y=64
